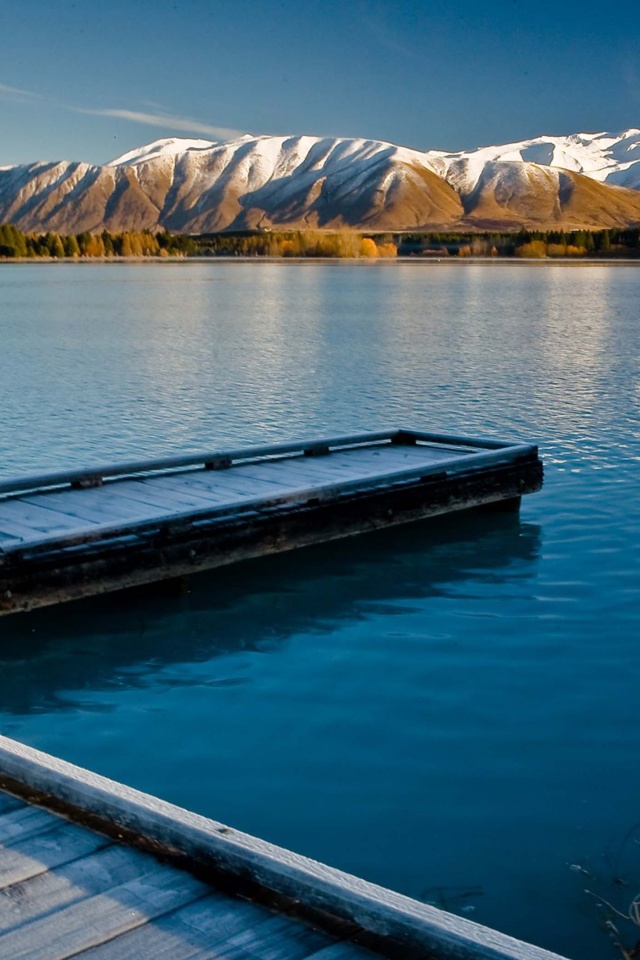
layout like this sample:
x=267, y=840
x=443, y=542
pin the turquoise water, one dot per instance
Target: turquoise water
x=448, y=709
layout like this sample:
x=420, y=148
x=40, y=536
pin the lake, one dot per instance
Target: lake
x=448, y=709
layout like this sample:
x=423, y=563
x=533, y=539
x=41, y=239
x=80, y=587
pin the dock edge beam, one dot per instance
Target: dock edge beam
x=390, y=918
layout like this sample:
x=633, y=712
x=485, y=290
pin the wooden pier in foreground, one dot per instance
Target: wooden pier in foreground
x=82, y=532
x=95, y=870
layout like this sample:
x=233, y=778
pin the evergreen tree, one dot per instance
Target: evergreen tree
x=107, y=242
x=53, y=245
x=84, y=239
x=71, y=248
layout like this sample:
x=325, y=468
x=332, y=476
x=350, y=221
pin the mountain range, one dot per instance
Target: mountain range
x=580, y=181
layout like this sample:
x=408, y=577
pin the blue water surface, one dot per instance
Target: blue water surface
x=449, y=709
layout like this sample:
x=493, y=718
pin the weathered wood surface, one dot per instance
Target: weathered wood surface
x=71, y=891
x=113, y=902
x=68, y=535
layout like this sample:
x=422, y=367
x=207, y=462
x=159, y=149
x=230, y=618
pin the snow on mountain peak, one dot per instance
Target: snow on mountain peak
x=612, y=158
x=167, y=147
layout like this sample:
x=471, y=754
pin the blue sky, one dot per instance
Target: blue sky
x=88, y=81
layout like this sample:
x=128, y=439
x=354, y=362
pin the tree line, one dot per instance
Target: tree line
x=14, y=243
x=130, y=243
x=524, y=243
x=297, y=243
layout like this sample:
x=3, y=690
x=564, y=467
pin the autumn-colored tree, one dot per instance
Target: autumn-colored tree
x=127, y=249
x=535, y=249
x=387, y=250
x=94, y=246
x=368, y=248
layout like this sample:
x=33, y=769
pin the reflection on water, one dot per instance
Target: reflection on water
x=448, y=709
x=97, y=642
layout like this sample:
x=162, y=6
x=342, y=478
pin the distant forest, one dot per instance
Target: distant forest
x=14, y=244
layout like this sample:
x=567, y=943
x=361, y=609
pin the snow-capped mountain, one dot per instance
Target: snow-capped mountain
x=607, y=157
x=197, y=186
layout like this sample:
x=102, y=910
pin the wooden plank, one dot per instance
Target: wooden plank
x=237, y=482
x=279, y=938
x=288, y=472
x=395, y=459
x=56, y=889
x=43, y=852
x=277, y=470
x=96, y=919
x=80, y=517
x=38, y=517
x=196, y=483
x=335, y=464
x=185, y=934
x=105, y=503
x=420, y=453
x=147, y=491
x=231, y=490
x=315, y=475
x=275, y=479
x=268, y=476
x=17, y=532
x=116, y=499
x=25, y=822
x=218, y=485
x=85, y=514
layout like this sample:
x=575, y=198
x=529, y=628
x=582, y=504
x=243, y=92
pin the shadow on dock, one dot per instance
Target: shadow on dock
x=256, y=605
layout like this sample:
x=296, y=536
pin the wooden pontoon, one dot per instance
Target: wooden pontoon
x=95, y=870
x=82, y=532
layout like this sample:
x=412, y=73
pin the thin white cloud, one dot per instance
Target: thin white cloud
x=151, y=118
x=15, y=93
x=184, y=124
x=157, y=118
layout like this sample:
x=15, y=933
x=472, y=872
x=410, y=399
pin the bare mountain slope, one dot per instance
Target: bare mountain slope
x=512, y=194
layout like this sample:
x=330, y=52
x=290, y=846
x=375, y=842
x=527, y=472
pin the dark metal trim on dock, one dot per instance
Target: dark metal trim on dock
x=450, y=474
x=390, y=923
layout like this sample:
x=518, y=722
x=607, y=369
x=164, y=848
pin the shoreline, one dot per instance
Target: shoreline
x=368, y=261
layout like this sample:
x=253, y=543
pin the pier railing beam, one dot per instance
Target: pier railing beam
x=392, y=923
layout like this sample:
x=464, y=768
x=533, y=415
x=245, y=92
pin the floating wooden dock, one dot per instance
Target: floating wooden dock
x=82, y=532
x=95, y=870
